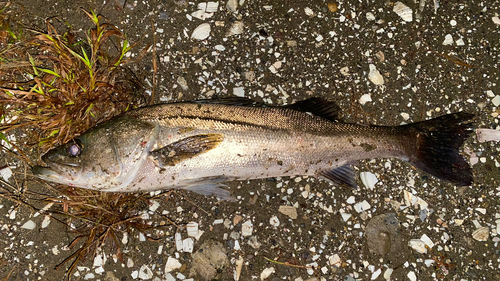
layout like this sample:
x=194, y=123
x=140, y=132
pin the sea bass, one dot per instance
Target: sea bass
x=200, y=145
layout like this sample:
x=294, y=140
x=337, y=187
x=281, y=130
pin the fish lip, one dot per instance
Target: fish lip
x=45, y=172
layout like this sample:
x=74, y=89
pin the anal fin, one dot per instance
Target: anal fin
x=343, y=176
x=186, y=148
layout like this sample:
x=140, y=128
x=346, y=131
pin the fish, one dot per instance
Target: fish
x=202, y=145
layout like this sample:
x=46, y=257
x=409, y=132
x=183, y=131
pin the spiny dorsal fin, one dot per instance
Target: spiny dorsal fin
x=319, y=107
x=185, y=148
x=316, y=106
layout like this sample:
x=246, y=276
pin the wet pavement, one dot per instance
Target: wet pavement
x=384, y=63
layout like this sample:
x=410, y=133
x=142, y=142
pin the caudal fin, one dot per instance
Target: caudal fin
x=438, y=144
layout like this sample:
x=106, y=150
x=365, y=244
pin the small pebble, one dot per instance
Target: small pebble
x=481, y=234
x=247, y=228
x=332, y=7
x=172, y=264
x=448, y=40
x=29, y=225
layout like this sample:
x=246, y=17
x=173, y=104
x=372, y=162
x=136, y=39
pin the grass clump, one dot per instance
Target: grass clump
x=61, y=86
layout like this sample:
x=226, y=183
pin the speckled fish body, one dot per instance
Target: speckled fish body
x=198, y=146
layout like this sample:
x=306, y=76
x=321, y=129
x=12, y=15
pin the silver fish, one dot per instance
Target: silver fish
x=200, y=145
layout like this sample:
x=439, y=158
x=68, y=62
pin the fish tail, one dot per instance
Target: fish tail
x=438, y=143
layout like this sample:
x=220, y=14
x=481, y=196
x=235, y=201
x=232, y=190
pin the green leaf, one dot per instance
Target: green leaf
x=87, y=61
x=2, y=137
x=89, y=110
x=53, y=133
x=32, y=61
x=48, y=71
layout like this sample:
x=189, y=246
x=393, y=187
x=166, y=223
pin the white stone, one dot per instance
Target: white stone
x=187, y=245
x=130, y=263
x=192, y=229
x=496, y=100
x=427, y=241
x=376, y=274
x=145, y=273
x=346, y=216
x=429, y=262
x=496, y=20
x=351, y=200
x=6, y=173
x=247, y=228
x=364, y=99
x=362, y=206
x=29, y=225
x=210, y=7
x=375, y=76
x=99, y=260
x=403, y=11
x=370, y=16
x=369, y=179
x=172, y=264
x=232, y=6
x=46, y=221
x=388, y=273
x=335, y=260
x=266, y=272
x=448, y=40
x=411, y=275
x=201, y=32
x=239, y=91
x=309, y=11
x=418, y=245
x=274, y=221
x=178, y=241
x=484, y=135
x=236, y=28
x=169, y=277
x=481, y=210
x=345, y=71
x=481, y=234
x=219, y=48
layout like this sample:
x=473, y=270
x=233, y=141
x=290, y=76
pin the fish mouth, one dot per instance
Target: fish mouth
x=46, y=173
x=57, y=172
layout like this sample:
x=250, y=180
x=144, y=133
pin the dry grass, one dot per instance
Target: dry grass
x=53, y=87
x=96, y=219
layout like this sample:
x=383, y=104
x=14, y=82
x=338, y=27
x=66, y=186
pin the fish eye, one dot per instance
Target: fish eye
x=75, y=148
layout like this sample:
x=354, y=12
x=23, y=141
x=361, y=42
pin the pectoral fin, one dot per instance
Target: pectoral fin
x=343, y=176
x=186, y=148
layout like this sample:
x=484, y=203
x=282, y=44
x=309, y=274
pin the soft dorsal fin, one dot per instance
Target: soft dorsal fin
x=185, y=148
x=317, y=106
x=238, y=101
x=343, y=176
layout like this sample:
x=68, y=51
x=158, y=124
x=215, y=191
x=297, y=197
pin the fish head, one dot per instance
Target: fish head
x=104, y=158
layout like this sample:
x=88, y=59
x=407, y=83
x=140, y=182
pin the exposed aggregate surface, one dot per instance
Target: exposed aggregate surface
x=380, y=67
